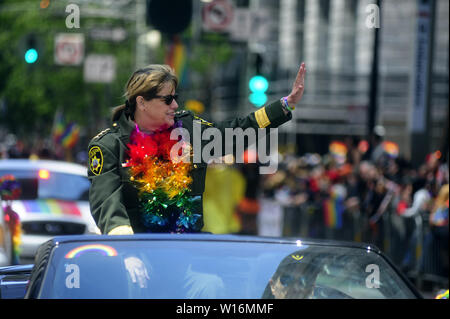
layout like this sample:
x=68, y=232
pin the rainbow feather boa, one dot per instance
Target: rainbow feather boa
x=15, y=228
x=10, y=190
x=163, y=181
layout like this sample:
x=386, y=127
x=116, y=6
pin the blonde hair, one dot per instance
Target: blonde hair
x=145, y=82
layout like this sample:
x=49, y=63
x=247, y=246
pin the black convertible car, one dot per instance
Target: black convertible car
x=203, y=266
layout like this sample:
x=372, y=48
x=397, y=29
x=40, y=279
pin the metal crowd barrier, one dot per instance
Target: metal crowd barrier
x=401, y=238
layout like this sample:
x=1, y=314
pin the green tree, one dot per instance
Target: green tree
x=31, y=94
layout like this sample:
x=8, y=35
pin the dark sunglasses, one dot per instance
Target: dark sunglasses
x=287, y=280
x=168, y=99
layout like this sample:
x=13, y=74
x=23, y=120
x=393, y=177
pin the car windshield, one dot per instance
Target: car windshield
x=44, y=184
x=217, y=269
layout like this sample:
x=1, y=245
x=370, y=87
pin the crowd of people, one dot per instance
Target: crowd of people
x=44, y=149
x=370, y=196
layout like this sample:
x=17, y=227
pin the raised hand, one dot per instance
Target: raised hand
x=298, y=87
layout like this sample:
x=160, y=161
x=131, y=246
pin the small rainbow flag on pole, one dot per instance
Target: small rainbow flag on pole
x=64, y=134
x=58, y=127
x=333, y=209
x=339, y=151
x=70, y=135
x=391, y=149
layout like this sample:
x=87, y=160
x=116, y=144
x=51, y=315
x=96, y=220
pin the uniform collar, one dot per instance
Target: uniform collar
x=125, y=127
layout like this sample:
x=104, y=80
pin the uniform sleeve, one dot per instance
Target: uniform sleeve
x=105, y=193
x=270, y=116
x=267, y=117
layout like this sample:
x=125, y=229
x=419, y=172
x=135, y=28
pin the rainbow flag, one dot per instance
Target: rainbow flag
x=333, y=209
x=176, y=58
x=70, y=135
x=13, y=221
x=64, y=134
x=391, y=149
x=58, y=127
x=52, y=207
x=443, y=295
x=338, y=150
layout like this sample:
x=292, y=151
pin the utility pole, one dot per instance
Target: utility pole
x=420, y=115
x=140, y=30
x=373, y=96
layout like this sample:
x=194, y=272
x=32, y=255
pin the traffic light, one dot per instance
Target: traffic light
x=31, y=54
x=258, y=85
x=169, y=16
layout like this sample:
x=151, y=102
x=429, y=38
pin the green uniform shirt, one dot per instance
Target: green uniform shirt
x=113, y=198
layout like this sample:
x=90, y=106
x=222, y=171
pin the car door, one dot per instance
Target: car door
x=14, y=281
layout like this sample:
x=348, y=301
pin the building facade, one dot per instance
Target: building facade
x=333, y=38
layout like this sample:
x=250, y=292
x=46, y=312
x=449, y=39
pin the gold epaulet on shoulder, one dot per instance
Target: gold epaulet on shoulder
x=101, y=134
x=181, y=113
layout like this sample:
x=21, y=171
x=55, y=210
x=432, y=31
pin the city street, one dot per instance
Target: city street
x=235, y=149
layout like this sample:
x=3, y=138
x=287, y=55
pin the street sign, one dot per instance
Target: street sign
x=217, y=15
x=117, y=34
x=250, y=25
x=240, y=29
x=69, y=48
x=99, y=68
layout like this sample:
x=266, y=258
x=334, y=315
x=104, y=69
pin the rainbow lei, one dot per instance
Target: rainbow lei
x=443, y=295
x=9, y=188
x=163, y=181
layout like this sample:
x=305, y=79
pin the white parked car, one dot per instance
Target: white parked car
x=54, y=200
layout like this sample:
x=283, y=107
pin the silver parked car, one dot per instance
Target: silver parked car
x=54, y=200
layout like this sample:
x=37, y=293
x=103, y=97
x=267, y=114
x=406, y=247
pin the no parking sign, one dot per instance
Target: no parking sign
x=69, y=48
x=217, y=15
